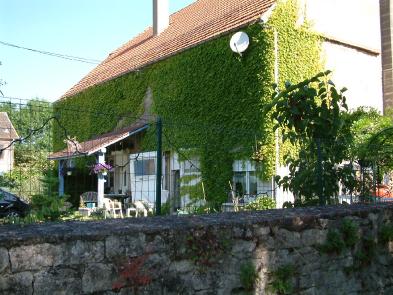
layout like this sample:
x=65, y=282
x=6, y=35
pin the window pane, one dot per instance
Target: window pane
x=145, y=167
x=239, y=180
x=253, y=183
x=191, y=166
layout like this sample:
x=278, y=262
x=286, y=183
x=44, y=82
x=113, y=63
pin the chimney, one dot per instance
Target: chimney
x=160, y=16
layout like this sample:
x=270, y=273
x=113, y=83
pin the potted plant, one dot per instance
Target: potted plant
x=101, y=168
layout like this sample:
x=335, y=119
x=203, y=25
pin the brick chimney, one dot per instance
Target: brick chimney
x=160, y=16
x=386, y=18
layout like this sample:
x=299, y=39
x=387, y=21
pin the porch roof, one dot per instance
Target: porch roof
x=91, y=146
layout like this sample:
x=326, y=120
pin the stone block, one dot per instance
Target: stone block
x=243, y=248
x=182, y=266
x=35, y=257
x=98, y=277
x=4, y=259
x=261, y=231
x=85, y=252
x=58, y=282
x=17, y=284
x=312, y=237
x=286, y=238
x=125, y=246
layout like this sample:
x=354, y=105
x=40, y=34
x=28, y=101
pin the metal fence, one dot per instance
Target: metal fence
x=143, y=159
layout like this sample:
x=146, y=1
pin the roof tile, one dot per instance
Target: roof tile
x=194, y=24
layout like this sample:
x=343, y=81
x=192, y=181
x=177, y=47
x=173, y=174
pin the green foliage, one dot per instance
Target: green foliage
x=31, y=123
x=261, y=203
x=165, y=208
x=386, y=233
x=349, y=231
x=281, y=283
x=208, y=97
x=206, y=248
x=248, y=275
x=366, y=253
x=47, y=207
x=334, y=243
x=310, y=115
x=338, y=240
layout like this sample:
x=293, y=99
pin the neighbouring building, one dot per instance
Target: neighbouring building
x=183, y=70
x=8, y=134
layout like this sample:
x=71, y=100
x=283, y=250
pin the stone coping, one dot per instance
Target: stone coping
x=295, y=219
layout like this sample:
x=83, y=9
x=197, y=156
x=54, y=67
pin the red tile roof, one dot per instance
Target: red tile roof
x=91, y=146
x=193, y=25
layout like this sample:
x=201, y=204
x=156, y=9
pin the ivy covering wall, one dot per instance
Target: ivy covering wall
x=209, y=98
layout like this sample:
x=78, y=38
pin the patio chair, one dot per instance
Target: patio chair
x=88, y=202
x=130, y=208
x=112, y=208
x=140, y=208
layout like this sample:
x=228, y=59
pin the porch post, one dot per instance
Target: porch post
x=61, y=178
x=101, y=179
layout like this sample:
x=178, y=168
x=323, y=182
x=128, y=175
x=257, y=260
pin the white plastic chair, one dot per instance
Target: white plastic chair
x=140, y=207
x=112, y=208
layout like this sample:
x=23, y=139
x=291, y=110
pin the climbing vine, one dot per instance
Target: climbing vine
x=210, y=99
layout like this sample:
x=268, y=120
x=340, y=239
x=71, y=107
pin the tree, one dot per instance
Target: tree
x=311, y=116
x=32, y=123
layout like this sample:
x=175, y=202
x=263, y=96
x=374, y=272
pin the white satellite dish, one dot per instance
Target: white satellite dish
x=239, y=42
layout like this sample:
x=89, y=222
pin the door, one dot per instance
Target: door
x=143, y=176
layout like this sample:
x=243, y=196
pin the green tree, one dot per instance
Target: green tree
x=311, y=117
x=33, y=125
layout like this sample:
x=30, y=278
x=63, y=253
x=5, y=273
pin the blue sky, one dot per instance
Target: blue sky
x=84, y=28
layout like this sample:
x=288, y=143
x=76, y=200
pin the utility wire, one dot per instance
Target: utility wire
x=59, y=55
x=34, y=131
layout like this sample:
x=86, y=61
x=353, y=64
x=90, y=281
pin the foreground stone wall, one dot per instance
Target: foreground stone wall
x=204, y=254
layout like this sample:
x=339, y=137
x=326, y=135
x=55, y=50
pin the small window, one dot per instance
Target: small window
x=145, y=167
x=190, y=166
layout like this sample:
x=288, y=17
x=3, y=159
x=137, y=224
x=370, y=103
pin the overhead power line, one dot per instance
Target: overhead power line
x=59, y=55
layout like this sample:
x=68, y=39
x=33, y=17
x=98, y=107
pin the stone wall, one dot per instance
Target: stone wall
x=288, y=250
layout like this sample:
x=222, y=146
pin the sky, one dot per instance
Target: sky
x=84, y=28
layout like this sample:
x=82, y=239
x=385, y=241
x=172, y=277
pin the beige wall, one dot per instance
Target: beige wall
x=357, y=71
x=6, y=157
x=356, y=24
x=354, y=21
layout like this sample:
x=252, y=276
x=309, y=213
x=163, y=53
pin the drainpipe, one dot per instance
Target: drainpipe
x=61, y=178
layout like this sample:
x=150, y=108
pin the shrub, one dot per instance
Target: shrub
x=281, y=283
x=386, y=234
x=334, y=243
x=261, y=203
x=248, y=276
x=48, y=207
x=349, y=232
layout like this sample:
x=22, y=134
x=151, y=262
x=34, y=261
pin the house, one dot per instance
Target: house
x=8, y=134
x=183, y=71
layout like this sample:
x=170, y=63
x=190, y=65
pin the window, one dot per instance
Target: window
x=145, y=167
x=191, y=166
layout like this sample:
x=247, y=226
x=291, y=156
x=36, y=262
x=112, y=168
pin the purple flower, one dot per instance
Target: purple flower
x=101, y=167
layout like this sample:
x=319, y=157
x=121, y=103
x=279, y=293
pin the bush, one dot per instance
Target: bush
x=248, y=276
x=261, y=203
x=386, y=233
x=48, y=207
